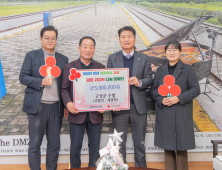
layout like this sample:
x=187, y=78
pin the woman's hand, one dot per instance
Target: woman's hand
x=165, y=101
x=169, y=101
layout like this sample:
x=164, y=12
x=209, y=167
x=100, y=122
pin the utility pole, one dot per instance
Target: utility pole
x=95, y=10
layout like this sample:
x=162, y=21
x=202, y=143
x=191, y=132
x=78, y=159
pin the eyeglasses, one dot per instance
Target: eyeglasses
x=48, y=39
x=172, y=51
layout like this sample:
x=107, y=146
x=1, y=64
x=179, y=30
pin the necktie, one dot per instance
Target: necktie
x=128, y=56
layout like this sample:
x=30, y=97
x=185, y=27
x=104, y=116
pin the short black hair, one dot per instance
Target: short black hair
x=174, y=43
x=48, y=28
x=127, y=28
x=87, y=37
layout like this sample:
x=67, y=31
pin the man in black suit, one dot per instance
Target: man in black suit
x=140, y=74
x=43, y=102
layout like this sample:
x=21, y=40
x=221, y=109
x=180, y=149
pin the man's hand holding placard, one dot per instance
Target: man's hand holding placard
x=72, y=108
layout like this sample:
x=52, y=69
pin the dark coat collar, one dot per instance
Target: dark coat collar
x=136, y=62
x=78, y=64
x=177, y=71
x=42, y=59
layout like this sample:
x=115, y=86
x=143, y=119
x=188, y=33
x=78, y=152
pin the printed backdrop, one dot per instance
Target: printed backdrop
x=16, y=40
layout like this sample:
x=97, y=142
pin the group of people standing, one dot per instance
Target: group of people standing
x=47, y=100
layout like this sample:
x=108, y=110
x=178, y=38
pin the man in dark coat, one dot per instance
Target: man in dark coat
x=140, y=74
x=43, y=101
x=91, y=121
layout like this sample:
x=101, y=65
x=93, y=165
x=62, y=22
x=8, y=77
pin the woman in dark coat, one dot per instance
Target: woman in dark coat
x=174, y=131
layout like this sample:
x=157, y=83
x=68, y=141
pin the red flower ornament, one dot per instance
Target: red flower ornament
x=168, y=88
x=50, y=69
x=74, y=75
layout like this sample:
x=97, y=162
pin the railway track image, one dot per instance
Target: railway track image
x=164, y=24
x=35, y=13
x=12, y=22
x=179, y=18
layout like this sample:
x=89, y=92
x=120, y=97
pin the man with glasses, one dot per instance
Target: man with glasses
x=43, y=102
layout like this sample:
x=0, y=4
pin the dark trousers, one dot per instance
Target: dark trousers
x=45, y=120
x=76, y=134
x=138, y=123
x=176, y=160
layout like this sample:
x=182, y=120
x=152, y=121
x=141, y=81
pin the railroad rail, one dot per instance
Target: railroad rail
x=162, y=30
x=11, y=22
x=175, y=18
x=35, y=13
x=179, y=18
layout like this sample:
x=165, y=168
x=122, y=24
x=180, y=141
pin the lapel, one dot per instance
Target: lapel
x=78, y=64
x=58, y=60
x=165, y=71
x=119, y=59
x=178, y=69
x=176, y=72
x=58, y=63
x=41, y=62
x=41, y=57
x=94, y=64
x=136, y=63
